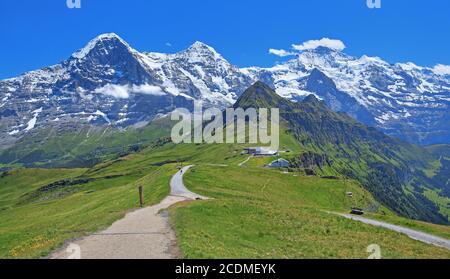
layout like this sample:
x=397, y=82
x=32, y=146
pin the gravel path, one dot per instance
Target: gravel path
x=142, y=234
x=245, y=162
x=178, y=189
x=417, y=235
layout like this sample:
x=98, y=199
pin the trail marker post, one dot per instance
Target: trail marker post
x=141, y=196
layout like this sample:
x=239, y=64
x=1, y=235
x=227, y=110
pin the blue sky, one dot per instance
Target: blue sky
x=39, y=33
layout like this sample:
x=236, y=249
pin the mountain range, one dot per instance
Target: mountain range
x=109, y=84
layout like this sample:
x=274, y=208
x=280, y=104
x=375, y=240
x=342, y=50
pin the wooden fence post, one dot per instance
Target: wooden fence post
x=141, y=196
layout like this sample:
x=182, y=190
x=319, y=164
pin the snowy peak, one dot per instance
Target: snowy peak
x=326, y=53
x=202, y=48
x=200, y=52
x=322, y=50
x=102, y=45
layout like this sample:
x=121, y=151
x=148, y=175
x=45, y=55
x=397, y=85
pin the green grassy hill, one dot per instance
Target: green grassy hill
x=40, y=209
x=261, y=213
x=80, y=145
x=256, y=212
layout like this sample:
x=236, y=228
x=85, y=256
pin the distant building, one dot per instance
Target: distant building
x=280, y=163
x=261, y=151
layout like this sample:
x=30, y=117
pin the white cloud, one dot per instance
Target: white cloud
x=148, y=89
x=116, y=91
x=442, y=69
x=280, y=52
x=169, y=44
x=325, y=42
x=123, y=91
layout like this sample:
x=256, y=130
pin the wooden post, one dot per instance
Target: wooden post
x=141, y=196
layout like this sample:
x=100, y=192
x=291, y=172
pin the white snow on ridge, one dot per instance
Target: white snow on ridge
x=5, y=98
x=292, y=92
x=31, y=123
x=409, y=66
x=99, y=113
x=197, y=52
x=82, y=53
x=38, y=111
x=120, y=121
x=442, y=69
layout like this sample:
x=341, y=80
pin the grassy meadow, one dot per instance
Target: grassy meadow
x=255, y=212
x=260, y=213
x=31, y=228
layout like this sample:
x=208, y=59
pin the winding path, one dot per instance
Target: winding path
x=177, y=188
x=142, y=234
x=245, y=162
x=417, y=235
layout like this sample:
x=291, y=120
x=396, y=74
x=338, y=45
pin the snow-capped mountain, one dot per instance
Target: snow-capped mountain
x=404, y=100
x=110, y=83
